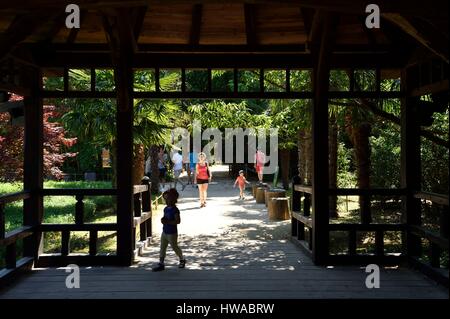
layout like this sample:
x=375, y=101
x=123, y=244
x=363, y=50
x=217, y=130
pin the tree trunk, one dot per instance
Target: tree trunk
x=333, y=149
x=114, y=164
x=301, y=155
x=305, y=156
x=285, y=156
x=308, y=157
x=138, y=163
x=154, y=168
x=359, y=135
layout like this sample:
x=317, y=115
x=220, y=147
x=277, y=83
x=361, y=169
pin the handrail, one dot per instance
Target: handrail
x=79, y=191
x=433, y=197
x=139, y=189
x=13, y=197
x=430, y=235
x=303, y=188
x=369, y=191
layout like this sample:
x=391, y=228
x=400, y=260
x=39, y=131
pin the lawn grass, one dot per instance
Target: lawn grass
x=61, y=209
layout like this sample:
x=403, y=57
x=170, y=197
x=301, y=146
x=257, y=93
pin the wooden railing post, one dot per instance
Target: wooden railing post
x=295, y=206
x=79, y=210
x=443, y=221
x=2, y=221
x=307, y=204
x=147, y=206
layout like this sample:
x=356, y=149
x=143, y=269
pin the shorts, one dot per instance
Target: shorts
x=259, y=168
x=202, y=181
x=162, y=172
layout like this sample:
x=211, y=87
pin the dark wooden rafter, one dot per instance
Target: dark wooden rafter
x=425, y=34
x=308, y=16
x=250, y=24
x=21, y=27
x=138, y=17
x=437, y=9
x=56, y=23
x=196, y=24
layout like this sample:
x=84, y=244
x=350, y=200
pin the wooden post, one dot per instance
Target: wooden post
x=296, y=196
x=124, y=118
x=147, y=206
x=321, y=47
x=33, y=164
x=410, y=164
x=79, y=210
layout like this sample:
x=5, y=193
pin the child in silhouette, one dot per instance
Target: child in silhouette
x=170, y=232
x=241, y=181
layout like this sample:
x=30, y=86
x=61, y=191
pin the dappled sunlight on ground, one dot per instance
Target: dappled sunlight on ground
x=228, y=233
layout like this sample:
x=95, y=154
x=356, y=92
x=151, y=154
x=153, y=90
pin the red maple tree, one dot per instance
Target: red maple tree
x=11, y=145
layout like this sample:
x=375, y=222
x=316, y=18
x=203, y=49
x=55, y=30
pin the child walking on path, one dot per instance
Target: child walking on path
x=241, y=181
x=170, y=232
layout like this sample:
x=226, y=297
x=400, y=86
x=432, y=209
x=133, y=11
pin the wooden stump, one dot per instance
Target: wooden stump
x=254, y=187
x=279, y=208
x=260, y=198
x=273, y=193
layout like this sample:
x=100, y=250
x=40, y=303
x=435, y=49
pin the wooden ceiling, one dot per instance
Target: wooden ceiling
x=219, y=24
x=250, y=24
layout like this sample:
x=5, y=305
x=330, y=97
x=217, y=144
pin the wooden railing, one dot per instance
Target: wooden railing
x=142, y=219
x=65, y=257
x=302, y=225
x=438, y=241
x=9, y=239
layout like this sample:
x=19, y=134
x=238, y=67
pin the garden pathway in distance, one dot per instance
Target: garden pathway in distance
x=232, y=251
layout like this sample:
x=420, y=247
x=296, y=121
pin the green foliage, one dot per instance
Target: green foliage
x=385, y=156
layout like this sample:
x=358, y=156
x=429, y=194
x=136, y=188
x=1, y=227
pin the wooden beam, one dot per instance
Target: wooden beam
x=430, y=39
x=410, y=164
x=19, y=30
x=33, y=180
x=196, y=24
x=436, y=10
x=308, y=16
x=138, y=19
x=124, y=47
x=322, y=40
x=250, y=24
x=59, y=59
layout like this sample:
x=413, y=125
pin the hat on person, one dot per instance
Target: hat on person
x=241, y=171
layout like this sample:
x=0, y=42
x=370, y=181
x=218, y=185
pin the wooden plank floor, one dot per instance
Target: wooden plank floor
x=233, y=251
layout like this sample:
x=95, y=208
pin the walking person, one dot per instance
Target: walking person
x=202, y=178
x=177, y=161
x=259, y=161
x=191, y=168
x=169, y=235
x=241, y=181
x=162, y=162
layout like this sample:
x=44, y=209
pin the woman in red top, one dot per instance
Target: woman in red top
x=202, y=178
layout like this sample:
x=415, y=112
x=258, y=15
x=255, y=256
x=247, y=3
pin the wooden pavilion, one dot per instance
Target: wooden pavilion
x=319, y=35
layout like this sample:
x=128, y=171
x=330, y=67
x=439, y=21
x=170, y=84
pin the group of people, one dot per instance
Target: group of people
x=202, y=177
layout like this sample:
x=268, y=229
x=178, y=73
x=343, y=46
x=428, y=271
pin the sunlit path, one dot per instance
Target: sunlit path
x=232, y=251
